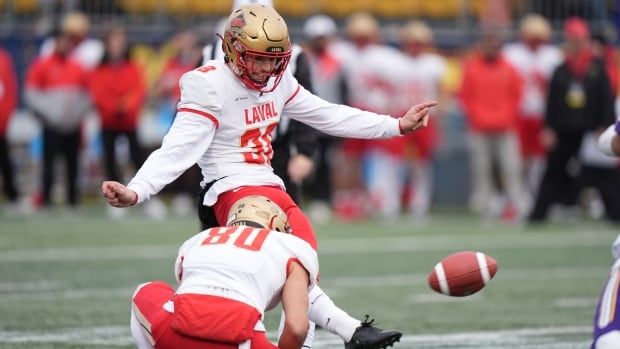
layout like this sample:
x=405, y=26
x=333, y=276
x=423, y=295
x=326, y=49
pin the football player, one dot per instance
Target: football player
x=227, y=278
x=607, y=319
x=609, y=140
x=535, y=60
x=225, y=118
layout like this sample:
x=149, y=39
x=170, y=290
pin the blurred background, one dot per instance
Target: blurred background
x=484, y=151
x=89, y=88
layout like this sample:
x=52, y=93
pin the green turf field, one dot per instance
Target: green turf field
x=66, y=279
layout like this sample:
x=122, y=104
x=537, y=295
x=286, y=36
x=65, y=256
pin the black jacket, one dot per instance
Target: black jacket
x=297, y=134
x=598, y=109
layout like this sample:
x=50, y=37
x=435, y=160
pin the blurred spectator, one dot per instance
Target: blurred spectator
x=118, y=91
x=329, y=83
x=603, y=48
x=425, y=72
x=373, y=85
x=609, y=141
x=490, y=92
x=56, y=93
x=580, y=99
x=8, y=102
x=294, y=142
x=187, y=57
x=535, y=60
x=86, y=51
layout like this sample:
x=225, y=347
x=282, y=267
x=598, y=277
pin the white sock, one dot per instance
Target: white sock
x=309, y=337
x=326, y=314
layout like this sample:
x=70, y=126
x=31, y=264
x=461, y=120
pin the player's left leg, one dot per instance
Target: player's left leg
x=147, y=311
x=384, y=181
x=423, y=144
x=509, y=159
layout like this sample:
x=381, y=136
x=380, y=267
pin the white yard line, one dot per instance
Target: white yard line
x=584, y=302
x=110, y=335
x=327, y=247
x=514, y=338
x=87, y=293
x=88, y=254
x=525, y=338
x=504, y=274
x=334, y=285
x=25, y=286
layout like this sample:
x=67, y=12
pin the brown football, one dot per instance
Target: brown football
x=462, y=273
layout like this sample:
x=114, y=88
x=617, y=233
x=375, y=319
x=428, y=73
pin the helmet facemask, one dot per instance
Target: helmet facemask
x=257, y=46
x=244, y=65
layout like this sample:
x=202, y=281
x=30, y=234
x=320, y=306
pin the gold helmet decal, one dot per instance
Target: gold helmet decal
x=260, y=212
x=257, y=46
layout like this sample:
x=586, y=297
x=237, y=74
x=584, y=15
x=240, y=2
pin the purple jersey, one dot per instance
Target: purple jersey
x=607, y=317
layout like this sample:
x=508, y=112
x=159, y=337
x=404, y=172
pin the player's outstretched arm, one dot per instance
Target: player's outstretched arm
x=118, y=195
x=416, y=117
x=295, y=304
x=609, y=140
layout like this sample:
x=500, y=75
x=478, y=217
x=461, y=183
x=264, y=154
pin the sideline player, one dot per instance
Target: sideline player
x=228, y=277
x=607, y=317
x=225, y=118
x=609, y=140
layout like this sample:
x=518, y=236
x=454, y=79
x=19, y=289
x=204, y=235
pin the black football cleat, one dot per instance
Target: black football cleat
x=368, y=336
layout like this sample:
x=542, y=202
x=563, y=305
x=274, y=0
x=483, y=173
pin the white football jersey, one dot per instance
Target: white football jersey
x=373, y=73
x=251, y=262
x=226, y=129
x=536, y=68
x=423, y=77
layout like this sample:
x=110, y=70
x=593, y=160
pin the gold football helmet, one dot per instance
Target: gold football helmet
x=418, y=32
x=260, y=212
x=535, y=27
x=257, y=46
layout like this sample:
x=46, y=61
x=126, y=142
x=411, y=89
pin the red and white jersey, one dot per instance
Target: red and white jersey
x=423, y=77
x=226, y=129
x=536, y=68
x=242, y=263
x=374, y=74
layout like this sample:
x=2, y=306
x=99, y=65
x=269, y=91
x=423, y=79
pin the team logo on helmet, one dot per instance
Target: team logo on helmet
x=256, y=46
x=259, y=212
x=238, y=22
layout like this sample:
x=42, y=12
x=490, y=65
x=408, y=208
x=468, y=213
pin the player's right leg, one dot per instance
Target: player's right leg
x=355, y=333
x=322, y=310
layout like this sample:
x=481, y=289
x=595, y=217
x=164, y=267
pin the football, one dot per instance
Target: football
x=462, y=273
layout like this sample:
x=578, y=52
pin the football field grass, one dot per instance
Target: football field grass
x=66, y=279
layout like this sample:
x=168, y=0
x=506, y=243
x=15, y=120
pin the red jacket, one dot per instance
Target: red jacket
x=118, y=92
x=8, y=91
x=490, y=93
x=54, y=71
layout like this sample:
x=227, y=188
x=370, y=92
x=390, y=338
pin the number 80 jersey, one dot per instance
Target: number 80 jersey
x=249, y=263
